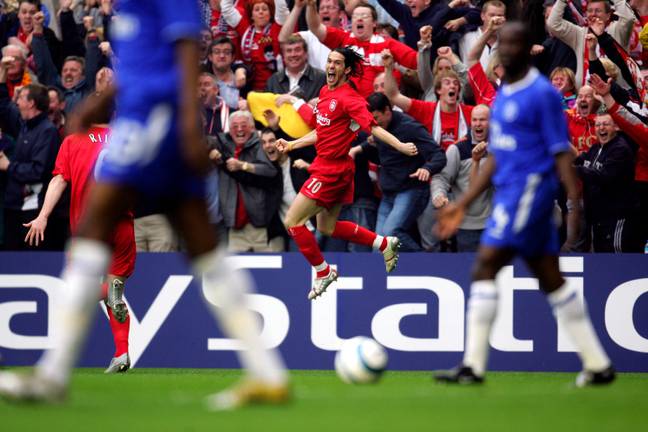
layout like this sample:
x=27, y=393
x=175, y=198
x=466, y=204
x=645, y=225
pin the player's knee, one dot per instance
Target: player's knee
x=326, y=230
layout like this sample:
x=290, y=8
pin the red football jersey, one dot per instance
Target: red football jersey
x=75, y=162
x=371, y=50
x=340, y=114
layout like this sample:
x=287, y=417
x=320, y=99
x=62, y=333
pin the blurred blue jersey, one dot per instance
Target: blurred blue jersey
x=145, y=151
x=143, y=36
x=527, y=130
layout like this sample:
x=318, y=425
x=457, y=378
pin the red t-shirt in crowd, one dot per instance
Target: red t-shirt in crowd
x=582, y=132
x=371, y=50
x=423, y=112
x=259, y=49
x=340, y=115
x=220, y=28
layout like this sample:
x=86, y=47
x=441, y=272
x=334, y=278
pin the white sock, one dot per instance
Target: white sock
x=377, y=242
x=482, y=307
x=225, y=289
x=321, y=267
x=570, y=311
x=86, y=264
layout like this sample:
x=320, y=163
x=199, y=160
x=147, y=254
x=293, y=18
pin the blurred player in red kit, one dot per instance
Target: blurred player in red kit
x=75, y=164
x=341, y=113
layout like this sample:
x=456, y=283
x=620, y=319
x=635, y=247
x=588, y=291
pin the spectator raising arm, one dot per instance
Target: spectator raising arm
x=391, y=88
x=315, y=24
x=290, y=24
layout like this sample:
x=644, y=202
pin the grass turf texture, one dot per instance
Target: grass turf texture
x=171, y=400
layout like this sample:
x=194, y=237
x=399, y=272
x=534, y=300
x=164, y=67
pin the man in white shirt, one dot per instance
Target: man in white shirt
x=492, y=8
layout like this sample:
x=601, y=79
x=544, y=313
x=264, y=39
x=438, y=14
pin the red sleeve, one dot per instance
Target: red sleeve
x=423, y=112
x=62, y=164
x=243, y=24
x=629, y=124
x=305, y=111
x=403, y=54
x=482, y=88
x=356, y=107
x=335, y=37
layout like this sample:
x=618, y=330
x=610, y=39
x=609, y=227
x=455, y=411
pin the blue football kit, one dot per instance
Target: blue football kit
x=145, y=149
x=527, y=130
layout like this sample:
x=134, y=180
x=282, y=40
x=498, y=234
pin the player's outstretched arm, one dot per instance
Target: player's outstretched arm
x=285, y=146
x=408, y=149
x=37, y=226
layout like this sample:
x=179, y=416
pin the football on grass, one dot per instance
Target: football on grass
x=360, y=360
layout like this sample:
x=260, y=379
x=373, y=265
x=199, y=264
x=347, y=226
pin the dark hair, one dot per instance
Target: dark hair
x=352, y=59
x=608, y=7
x=267, y=130
x=38, y=93
x=36, y=3
x=59, y=93
x=220, y=41
x=389, y=29
x=378, y=102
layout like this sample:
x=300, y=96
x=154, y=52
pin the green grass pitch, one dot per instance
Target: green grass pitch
x=171, y=400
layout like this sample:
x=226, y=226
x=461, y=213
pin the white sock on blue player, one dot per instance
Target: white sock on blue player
x=482, y=307
x=570, y=311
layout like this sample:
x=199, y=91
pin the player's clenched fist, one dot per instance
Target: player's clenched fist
x=282, y=145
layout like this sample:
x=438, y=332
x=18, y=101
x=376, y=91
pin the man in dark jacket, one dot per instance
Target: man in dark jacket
x=607, y=172
x=30, y=168
x=244, y=168
x=404, y=180
x=77, y=77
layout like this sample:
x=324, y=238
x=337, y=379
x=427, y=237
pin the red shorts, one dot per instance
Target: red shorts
x=124, y=251
x=331, y=182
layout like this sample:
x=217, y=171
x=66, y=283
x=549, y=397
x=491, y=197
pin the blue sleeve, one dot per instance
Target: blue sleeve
x=553, y=124
x=179, y=20
x=45, y=68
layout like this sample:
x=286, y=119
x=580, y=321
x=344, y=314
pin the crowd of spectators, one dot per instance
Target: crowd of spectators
x=430, y=74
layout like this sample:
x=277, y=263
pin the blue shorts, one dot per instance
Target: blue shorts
x=144, y=152
x=523, y=218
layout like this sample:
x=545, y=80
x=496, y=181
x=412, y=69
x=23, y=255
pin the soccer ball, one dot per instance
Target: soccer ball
x=360, y=360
